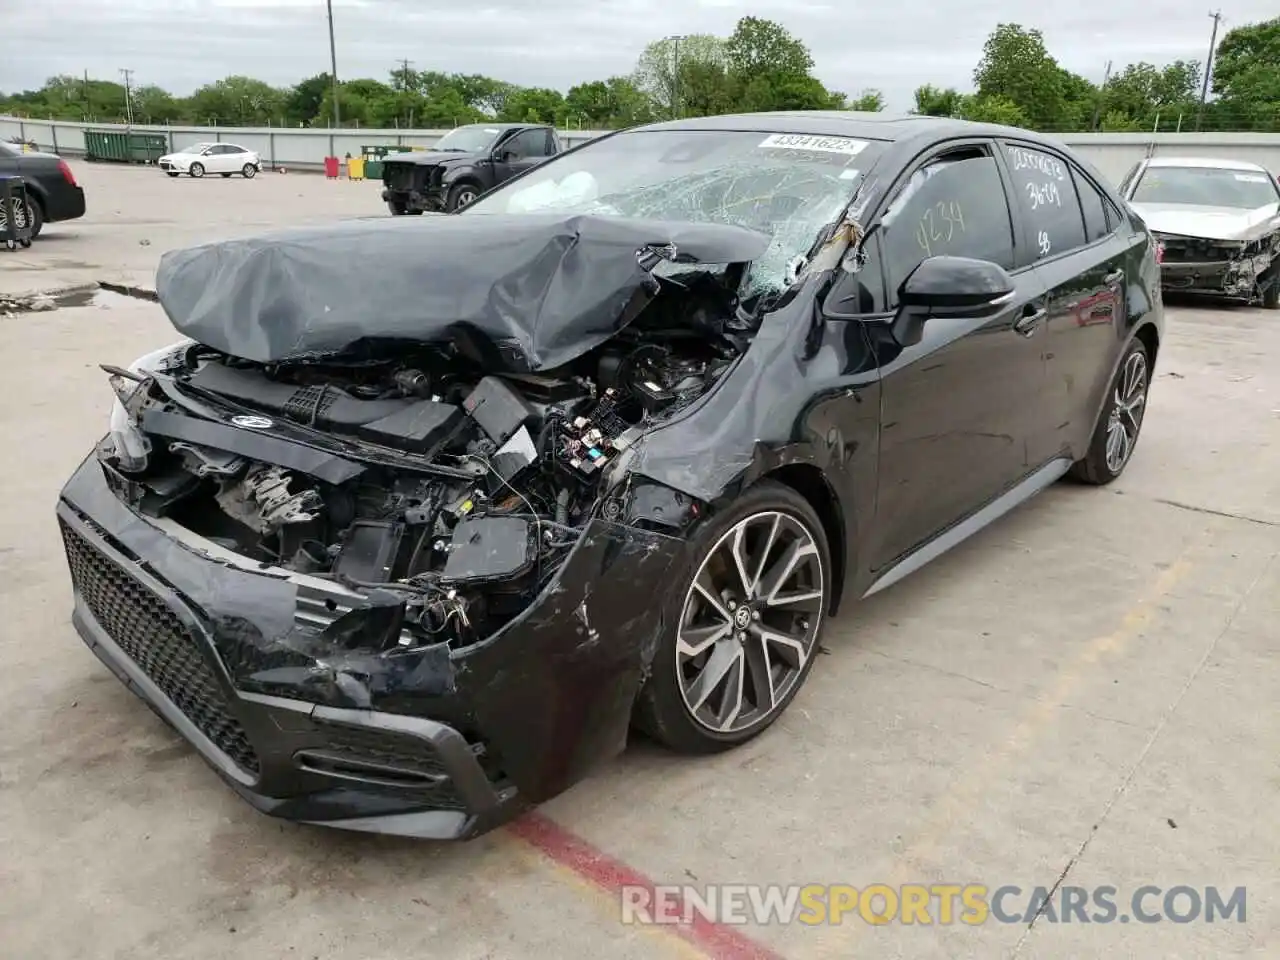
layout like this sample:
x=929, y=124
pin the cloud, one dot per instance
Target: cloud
x=181, y=44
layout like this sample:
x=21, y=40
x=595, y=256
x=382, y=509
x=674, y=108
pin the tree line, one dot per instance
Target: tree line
x=759, y=66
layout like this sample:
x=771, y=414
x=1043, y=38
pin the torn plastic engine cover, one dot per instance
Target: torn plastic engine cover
x=475, y=485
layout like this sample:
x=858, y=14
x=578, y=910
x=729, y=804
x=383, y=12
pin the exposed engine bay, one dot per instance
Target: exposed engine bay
x=1232, y=268
x=467, y=487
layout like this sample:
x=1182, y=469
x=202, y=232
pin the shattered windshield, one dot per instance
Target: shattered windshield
x=477, y=139
x=1206, y=187
x=786, y=186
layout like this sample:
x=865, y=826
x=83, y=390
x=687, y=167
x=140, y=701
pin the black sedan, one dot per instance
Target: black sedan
x=52, y=190
x=605, y=450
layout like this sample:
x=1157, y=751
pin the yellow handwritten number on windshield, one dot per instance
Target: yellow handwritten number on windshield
x=939, y=224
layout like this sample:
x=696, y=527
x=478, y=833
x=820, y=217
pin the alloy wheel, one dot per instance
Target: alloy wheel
x=1128, y=405
x=749, y=622
x=19, y=216
x=465, y=197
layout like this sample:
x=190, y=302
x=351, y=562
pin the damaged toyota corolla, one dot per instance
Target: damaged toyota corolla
x=425, y=515
x=1218, y=224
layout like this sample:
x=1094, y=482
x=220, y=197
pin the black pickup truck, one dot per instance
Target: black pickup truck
x=463, y=164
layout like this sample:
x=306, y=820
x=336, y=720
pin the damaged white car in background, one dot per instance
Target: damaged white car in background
x=1218, y=223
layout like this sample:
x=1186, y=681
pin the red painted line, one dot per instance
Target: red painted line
x=717, y=940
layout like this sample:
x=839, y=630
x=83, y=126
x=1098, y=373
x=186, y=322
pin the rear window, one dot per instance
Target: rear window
x=1206, y=187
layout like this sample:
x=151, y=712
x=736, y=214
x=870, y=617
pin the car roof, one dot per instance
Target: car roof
x=1212, y=162
x=503, y=126
x=885, y=127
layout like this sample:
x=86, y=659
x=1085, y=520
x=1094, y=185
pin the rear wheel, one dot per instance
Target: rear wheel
x=1116, y=433
x=35, y=216
x=742, y=624
x=197, y=170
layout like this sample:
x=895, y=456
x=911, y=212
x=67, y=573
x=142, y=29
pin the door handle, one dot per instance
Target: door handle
x=1028, y=323
x=1113, y=278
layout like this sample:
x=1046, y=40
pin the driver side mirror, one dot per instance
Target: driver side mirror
x=949, y=287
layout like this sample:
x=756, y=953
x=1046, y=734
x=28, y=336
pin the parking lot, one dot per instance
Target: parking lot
x=1084, y=694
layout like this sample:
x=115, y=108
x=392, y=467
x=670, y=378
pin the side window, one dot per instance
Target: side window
x=1095, y=207
x=553, y=143
x=955, y=206
x=1047, y=202
x=527, y=143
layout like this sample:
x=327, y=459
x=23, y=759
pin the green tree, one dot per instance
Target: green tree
x=993, y=109
x=302, y=103
x=534, y=105
x=785, y=91
x=700, y=56
x=931, y=101
x=1016, y=68
x=236, y=100
x=759, y=46
x=869, y=101
x=152, y=104
x=1246, y=77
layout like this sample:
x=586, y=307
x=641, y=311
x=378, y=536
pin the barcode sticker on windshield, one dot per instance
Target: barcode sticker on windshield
x=803, y=141
x=1251, y=177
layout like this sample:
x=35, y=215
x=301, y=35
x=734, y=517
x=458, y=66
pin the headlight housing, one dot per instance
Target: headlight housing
x=132, y=448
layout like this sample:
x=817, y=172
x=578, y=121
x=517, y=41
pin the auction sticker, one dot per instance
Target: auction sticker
x=812, y=143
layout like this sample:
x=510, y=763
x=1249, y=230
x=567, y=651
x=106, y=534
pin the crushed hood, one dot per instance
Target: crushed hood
x=1210, y=223
x=429, y=158
x=539, y=289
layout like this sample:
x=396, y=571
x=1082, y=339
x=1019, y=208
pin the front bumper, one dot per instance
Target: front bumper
x=429, y=202
x=327, y=720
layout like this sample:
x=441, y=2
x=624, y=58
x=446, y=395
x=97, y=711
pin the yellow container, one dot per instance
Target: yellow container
x=355, y=168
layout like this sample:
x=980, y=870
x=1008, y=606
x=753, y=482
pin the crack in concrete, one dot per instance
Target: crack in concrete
x=1208, y=511
x=1159, y=728
x=1021, y=694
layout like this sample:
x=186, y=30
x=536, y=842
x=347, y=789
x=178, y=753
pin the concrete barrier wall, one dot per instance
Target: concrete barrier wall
x=1112, y=153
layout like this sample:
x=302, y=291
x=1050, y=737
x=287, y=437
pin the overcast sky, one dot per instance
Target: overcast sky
x=895, y=45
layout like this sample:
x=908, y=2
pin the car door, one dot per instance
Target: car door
x=958, y=408
x=520, y=152
x=1071, y=231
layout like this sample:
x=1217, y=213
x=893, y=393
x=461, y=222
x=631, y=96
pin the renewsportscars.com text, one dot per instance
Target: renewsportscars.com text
x=943, y=904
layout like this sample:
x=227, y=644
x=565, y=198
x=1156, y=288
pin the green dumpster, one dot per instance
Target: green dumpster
x=118, y=146
x=373, y=157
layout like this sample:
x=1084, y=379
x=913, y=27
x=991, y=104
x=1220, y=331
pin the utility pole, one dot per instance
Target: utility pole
x=1097, y=107
x=675, y=76
x=1216, y=16
x=404, y=73
x=333, y=66
x=128, y=96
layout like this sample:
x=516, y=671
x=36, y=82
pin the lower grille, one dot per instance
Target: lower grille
x=143, y=626
x=375, y=756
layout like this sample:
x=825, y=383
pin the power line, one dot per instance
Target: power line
x=1216, y=16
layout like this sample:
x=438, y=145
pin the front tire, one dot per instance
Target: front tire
x=460, y=195
x=1120, y=424
x=249, y=171
x=1271, y=295
x=197, y=170
x=742, y=626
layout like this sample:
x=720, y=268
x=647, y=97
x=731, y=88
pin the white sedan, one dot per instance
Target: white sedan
x=201, y=158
